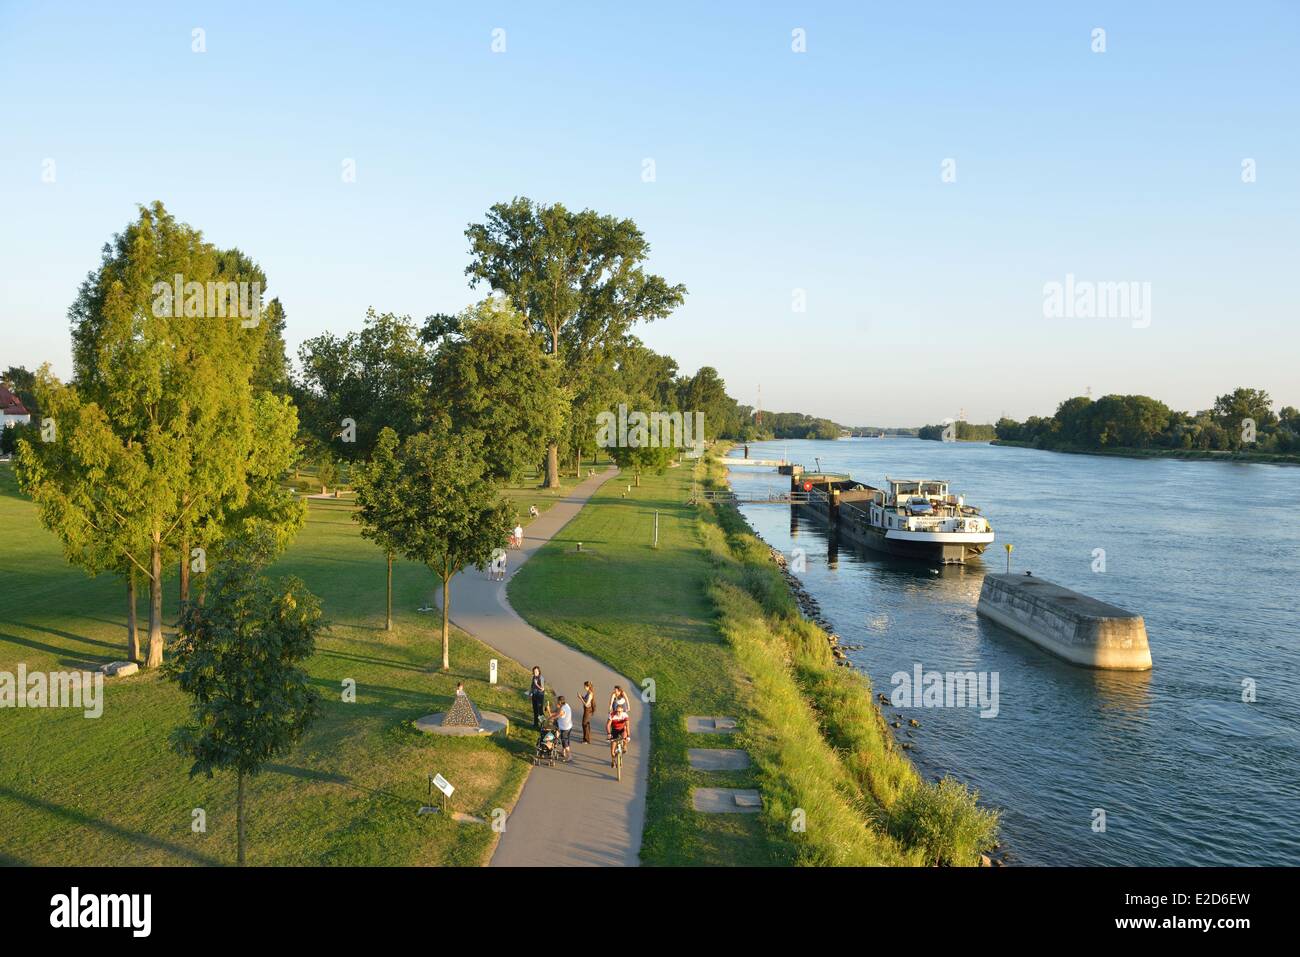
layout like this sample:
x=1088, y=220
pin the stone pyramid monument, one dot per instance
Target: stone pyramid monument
x=462, y=713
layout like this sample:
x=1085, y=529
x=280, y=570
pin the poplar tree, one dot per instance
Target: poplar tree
x=577, y=278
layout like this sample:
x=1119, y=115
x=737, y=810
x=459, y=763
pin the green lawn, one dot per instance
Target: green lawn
x=109, y=791
x=646, y=613
x=528, y=490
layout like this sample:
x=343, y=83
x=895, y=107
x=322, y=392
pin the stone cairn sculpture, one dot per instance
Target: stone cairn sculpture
x=463, y=713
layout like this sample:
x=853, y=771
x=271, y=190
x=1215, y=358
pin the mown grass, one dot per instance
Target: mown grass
x=110, y=791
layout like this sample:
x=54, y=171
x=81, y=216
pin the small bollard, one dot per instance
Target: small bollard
x=579, y=546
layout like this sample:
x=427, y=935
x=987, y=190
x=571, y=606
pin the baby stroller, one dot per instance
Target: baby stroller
x=548, y=747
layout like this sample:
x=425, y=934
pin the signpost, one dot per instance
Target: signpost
x=443, y=785
x=492, y=671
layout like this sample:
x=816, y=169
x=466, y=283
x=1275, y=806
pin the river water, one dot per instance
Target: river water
x=1185, y=771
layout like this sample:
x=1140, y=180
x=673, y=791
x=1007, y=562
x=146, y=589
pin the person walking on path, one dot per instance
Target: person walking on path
x=519, y=536
x=619, y=696
x=501, y=567
x=563, y=716
x=538, y=694
x=588, y=709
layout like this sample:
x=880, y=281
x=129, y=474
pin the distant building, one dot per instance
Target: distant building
x=12, y=409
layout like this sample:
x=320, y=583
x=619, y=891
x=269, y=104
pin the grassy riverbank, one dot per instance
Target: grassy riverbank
x=109, y=790
x=910, y=820
x=709, y=619
x=1200, y=455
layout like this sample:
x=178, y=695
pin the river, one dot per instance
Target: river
x=1185, y=770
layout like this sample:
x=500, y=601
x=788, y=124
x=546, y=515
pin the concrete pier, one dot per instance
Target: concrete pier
x=1082, y=630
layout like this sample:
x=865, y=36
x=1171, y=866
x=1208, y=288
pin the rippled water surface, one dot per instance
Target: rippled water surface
x=1207, y=552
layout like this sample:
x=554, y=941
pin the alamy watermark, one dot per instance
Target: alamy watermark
x=211, y=300
x=653, y=430
x=945, y=689
x=53, y=689
x=1085, y=299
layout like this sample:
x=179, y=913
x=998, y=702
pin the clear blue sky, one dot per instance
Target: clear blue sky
x=774, y=171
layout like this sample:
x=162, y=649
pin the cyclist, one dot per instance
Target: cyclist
x=619, y=728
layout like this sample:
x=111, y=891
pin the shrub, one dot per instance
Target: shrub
x=944, y=822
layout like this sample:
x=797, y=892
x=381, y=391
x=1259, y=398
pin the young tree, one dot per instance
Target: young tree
x=327, y=471
x=452, y=515
x=491, y=382
x=642, y=459
x=378, y=487
x=578, y=279
x=238, y=656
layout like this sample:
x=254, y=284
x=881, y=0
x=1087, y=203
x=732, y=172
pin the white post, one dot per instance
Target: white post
x=656, y=528
x=492, y=671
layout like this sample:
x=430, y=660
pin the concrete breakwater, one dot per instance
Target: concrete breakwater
x=1079, y=629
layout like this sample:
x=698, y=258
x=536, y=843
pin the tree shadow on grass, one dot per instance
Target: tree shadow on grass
x=71, y=636
x=63, y=654
x=85, y=820
x=371, y=660
x=327, y=777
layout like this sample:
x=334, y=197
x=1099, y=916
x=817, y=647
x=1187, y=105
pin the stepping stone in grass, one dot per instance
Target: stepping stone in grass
x=717, y=759
x=696, y=724
x=726, y=801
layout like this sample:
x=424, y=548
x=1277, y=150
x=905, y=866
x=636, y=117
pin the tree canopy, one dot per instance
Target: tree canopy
x=577, y=278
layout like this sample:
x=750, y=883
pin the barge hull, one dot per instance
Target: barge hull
x=1072, y=626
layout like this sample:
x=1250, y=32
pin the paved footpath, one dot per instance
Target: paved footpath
x=571, y=814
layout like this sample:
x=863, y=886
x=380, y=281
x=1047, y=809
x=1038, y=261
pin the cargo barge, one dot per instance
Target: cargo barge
x=911, y=518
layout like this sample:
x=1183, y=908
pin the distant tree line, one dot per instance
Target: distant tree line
x=962, y=432
x=793, y=425
x=1241, y=420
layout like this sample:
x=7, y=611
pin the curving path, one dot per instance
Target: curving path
x=572, y=814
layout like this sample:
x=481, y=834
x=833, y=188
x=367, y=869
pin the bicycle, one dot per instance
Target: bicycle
x=619, y=748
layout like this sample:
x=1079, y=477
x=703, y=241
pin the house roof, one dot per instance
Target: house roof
x=9, y=403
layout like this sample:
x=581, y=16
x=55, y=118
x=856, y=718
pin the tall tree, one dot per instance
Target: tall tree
x=452, y=515
x=238, y=657
x=376, y=377
x=21, y=381
x=1233, y=409
x=173, y=381
x=578, y=279
x=491, y=382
